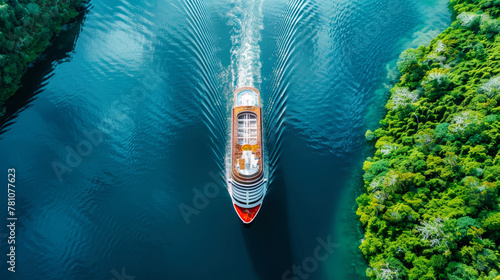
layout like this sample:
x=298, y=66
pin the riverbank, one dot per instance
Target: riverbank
x=431, y=204
x=26, y=31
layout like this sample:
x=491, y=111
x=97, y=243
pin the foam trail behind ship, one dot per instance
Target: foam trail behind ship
x=246, y=19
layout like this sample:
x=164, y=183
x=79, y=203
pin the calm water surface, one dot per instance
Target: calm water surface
x=119, y=137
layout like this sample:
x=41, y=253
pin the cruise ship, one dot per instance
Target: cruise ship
x=247, y=184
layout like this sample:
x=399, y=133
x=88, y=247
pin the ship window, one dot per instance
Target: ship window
x=247, y=129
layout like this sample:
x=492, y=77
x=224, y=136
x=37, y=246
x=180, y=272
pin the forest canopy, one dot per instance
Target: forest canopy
x=431, y=206
x=26, y=27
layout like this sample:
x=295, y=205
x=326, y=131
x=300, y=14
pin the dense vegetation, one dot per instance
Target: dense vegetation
x=431, y=206
x=26, y=26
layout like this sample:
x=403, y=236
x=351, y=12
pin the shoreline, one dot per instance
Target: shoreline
x=39, y=48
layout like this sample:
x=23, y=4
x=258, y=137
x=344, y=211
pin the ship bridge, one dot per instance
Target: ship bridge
x=247, y=98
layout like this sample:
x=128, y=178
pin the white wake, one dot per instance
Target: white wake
x=246, y=19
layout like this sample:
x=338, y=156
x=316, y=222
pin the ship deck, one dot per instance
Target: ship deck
x=246, y=136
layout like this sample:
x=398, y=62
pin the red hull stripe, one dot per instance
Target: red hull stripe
x=247, y=214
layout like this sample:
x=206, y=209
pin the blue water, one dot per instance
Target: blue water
x=119, y=137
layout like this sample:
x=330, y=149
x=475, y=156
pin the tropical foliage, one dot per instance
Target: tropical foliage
x=431, y=206
x=26, y=26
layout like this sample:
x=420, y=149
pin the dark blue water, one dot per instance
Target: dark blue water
x=119, y=137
